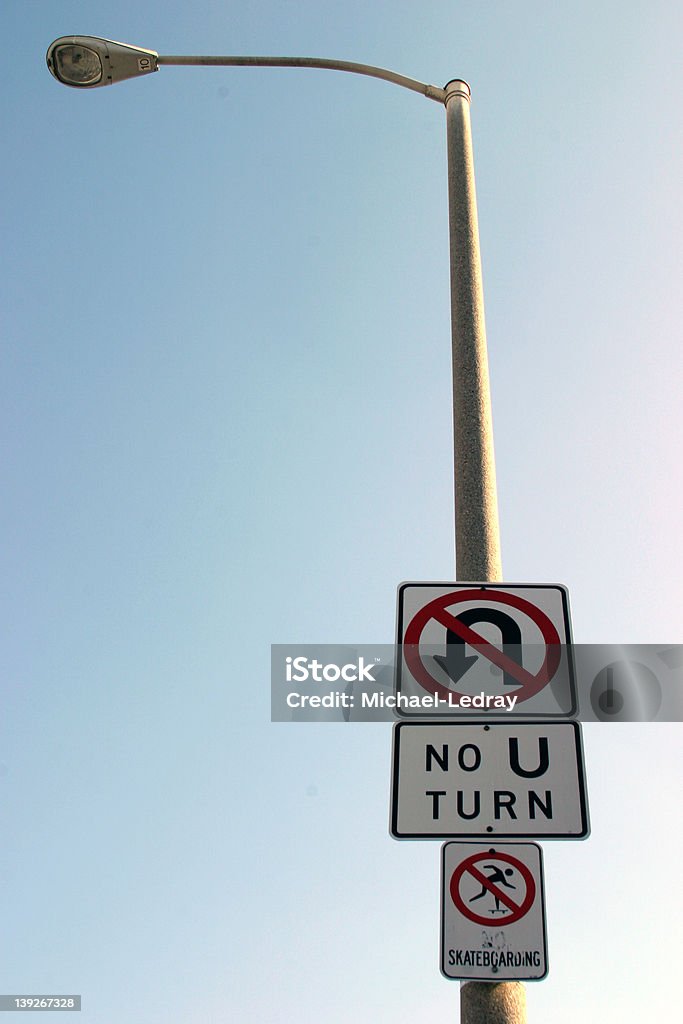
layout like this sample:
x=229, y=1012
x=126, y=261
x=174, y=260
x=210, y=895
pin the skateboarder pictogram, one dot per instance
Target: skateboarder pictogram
x=498, y=876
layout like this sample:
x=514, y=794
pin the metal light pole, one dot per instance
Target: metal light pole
x=477, y=541
x=477, y=535
x=88, y=61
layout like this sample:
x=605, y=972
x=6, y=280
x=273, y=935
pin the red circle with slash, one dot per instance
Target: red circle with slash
x=516, y=910
x=438, y=609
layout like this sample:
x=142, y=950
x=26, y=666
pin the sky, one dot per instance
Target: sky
x=227, y=424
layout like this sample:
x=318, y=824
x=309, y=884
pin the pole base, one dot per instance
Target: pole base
x=485, y=1003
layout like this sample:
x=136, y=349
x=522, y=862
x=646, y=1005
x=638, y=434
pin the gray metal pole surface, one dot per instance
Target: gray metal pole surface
x=477, y=542
x=477, y=538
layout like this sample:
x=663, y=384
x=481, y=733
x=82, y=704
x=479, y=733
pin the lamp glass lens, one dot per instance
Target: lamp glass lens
x=78, y=65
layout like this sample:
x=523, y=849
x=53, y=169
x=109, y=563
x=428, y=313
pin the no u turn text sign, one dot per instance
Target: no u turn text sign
x=467, y=780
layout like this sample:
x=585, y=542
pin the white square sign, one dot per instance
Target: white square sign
x=493, y=912
x=494, y=649
x=467, y=780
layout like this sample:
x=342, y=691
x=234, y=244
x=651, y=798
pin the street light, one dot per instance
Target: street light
x=88, y=61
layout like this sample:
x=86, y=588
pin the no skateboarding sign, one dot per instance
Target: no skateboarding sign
x=493, y=884
x=493, y=914
x=491, y=648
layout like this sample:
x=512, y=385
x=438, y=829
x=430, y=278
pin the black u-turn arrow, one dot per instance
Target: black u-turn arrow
x=456, y=662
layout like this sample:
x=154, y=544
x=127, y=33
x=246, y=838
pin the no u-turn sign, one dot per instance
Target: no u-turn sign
x=501, y=648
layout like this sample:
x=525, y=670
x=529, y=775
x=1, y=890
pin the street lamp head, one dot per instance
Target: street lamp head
x=84, y=61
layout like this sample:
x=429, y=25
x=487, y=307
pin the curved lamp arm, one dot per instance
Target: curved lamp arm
x=431, y=91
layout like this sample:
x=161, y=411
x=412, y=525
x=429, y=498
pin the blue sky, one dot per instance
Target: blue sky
x=226, y=424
